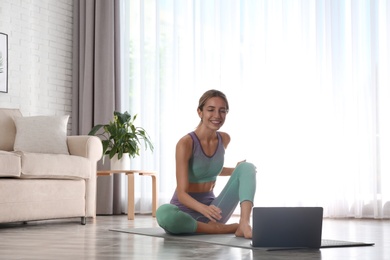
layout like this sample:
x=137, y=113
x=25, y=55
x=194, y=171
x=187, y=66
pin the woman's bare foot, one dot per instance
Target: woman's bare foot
x=244, y=230
x=216, y=228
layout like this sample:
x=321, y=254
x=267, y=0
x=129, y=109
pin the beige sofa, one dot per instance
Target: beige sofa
x=43, y=185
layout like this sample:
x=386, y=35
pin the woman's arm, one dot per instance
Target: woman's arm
x=227, y=171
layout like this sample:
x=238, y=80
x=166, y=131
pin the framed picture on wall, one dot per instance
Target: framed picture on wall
x=3, y=62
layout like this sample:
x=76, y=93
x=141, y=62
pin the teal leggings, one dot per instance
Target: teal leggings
x=240, y=187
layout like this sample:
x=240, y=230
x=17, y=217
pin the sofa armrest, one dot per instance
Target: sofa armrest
x=86, y=146
x=90, y=147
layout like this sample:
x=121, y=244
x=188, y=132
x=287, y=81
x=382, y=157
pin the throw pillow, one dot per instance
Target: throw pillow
x=41, y=134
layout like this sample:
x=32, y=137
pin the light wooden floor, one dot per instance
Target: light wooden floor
x=67, y=239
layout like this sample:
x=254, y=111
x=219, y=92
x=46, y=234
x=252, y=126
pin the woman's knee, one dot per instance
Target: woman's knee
x=164, y=214
x=246, y=167
x=175, y=221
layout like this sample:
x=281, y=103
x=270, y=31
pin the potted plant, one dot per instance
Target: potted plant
x=121, y=136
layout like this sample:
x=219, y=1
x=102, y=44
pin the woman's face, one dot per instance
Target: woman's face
x=214, y=113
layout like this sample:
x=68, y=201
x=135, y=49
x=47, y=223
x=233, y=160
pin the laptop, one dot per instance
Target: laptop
x=287, y=227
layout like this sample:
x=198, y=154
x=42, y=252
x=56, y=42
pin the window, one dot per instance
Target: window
x=307, y=83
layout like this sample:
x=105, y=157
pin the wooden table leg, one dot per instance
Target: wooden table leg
x=154, y=195
x=130, y=197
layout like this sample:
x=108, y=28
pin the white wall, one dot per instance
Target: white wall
x=39, y=55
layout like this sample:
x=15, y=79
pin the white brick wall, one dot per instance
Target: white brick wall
x=39, y=55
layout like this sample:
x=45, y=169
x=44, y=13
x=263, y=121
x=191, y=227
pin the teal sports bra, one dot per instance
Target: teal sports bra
x=203, y=168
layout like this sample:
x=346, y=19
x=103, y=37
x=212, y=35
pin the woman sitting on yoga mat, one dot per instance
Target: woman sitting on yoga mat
x=199, y=160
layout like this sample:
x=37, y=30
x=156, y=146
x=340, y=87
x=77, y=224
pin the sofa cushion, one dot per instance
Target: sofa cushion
x=41, y=134
x=54, y=166
x=10, y=165
x=7, y=129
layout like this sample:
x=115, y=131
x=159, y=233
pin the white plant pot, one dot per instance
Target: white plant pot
x=122, y=164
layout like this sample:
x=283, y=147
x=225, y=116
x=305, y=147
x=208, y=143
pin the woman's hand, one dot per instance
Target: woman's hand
x=212, y=212
x=240, y=162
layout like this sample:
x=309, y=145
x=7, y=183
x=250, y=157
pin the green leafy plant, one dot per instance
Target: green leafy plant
x=122, y=136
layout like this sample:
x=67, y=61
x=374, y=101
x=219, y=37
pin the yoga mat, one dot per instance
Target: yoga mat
x=227, y=239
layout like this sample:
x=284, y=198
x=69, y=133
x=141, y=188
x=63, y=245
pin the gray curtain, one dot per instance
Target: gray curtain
x=96, y=81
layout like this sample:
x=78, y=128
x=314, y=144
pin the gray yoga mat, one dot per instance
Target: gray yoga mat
x=226, y=240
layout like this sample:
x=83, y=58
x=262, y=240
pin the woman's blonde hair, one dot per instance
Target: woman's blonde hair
x=209, y=94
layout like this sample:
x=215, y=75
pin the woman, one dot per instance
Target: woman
x=199, y=160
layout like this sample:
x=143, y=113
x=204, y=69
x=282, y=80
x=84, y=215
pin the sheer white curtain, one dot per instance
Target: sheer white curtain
x=308, y=86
